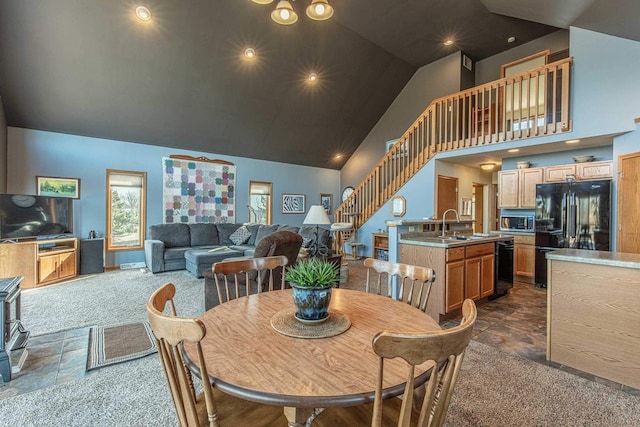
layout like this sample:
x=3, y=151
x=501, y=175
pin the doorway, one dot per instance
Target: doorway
x=447, y=194
x=628, y=235
x=478, y=211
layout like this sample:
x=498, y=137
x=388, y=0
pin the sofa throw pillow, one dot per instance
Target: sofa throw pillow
x=240, y=236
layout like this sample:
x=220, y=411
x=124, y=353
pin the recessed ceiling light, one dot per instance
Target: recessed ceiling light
x=312, y=77
x=514, y=150
x=338, y=156
x=250, y=53
x=487, y=166
x=511, y=39
x=573, y=141
x=143, y=13
x=448, y=42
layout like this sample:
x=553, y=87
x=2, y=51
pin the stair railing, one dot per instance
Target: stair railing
x=522, y=106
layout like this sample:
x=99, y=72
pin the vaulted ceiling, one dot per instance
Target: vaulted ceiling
x=90, y=67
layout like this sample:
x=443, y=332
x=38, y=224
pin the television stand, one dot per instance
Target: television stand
x=40, y=262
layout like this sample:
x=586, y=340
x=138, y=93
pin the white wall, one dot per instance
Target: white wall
x=428, y=83
x=33, y=153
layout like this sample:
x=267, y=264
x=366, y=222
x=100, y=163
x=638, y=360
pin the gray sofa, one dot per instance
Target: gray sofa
x=196, y=247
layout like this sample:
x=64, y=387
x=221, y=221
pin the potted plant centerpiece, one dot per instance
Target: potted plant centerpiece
x=311, y=282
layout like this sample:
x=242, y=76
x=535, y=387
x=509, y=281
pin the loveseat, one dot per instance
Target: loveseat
x=196, y=247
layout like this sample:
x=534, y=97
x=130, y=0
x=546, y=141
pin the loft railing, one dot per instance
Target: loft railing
x=522, y=106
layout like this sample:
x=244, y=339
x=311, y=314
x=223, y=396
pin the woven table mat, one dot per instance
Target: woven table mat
x=285, y=323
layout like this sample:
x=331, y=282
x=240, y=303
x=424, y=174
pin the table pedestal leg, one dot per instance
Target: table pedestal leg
x=297, y=417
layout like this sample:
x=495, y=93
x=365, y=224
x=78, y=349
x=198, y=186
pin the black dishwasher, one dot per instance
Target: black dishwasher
x=504, y=268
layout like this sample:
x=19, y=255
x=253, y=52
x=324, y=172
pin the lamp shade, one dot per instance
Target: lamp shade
x=284, y=13
x=319, y=10
x=317, y=215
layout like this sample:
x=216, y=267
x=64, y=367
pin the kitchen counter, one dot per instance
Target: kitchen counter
x=593, y=313
x=513, y=233
x=613, y=259
x=450, y=242
x=400, y=222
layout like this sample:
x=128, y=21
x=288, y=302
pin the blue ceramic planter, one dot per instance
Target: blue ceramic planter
x=312, y=304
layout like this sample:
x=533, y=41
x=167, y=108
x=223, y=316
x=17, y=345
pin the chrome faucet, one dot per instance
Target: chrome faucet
x=444, y=216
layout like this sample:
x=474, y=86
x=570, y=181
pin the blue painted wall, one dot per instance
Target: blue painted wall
x=32, y=153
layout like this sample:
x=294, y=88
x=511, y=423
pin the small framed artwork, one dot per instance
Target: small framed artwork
x=398, y=206
x=58, y=187
x=293, y=203
x=326, y=200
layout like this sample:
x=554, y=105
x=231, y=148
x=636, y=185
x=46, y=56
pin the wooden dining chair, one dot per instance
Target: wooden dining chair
x=211, y=407
x=235, y=278
x=414, y=282
x=445, y=348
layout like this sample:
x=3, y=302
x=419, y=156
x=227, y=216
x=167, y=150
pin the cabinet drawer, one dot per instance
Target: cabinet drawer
x=454, y=254
x=481, y=249
x=524, y=240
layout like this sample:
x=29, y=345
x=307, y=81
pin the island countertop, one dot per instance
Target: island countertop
x=450, y=242
x=613, y=259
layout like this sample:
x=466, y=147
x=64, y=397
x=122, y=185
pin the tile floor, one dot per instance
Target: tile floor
x=515, y=323
x=51, y=359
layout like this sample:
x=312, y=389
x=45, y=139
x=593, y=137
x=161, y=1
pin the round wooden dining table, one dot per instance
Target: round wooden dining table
x=247, y=358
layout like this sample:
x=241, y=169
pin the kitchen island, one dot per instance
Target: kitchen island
x=464, y=267
x=593, y=313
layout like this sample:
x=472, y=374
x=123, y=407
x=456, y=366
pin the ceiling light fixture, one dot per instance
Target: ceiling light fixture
x=143, y=13
x=448, y=42
x=284, y=14
x=511, y=39
x=514, y=150
x=312, y=77
x=249, y=53
x=573, y=141
x=487, y=166
x=319, y=10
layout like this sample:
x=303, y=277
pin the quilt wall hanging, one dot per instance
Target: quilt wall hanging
x=198, y=190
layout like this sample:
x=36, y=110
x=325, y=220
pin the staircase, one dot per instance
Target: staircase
x=527, y=105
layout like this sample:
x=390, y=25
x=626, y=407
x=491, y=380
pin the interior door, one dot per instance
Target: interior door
x=628, y=234
x=447, y=194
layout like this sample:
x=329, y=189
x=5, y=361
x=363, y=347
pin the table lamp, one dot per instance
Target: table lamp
x=317, y=215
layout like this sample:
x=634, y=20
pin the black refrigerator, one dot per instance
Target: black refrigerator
x=571, y=215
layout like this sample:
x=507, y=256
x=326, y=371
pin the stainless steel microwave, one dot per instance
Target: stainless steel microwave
x=517, y=223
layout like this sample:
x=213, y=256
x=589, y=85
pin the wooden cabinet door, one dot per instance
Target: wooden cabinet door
x=48, y=268
x=487, y=276
x=473, y=276
x=508, y=189
x=558, y=173
x=529, y=178
x=67, y=265
x=524, y=260
x=454, y=285
x=594, y=170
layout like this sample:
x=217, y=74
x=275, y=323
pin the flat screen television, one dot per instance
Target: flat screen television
x=23, y=216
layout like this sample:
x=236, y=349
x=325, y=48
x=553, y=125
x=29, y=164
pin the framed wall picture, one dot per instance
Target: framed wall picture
x=398, y=206
x=58, y=187
x=293, y=203
x=326, y=200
